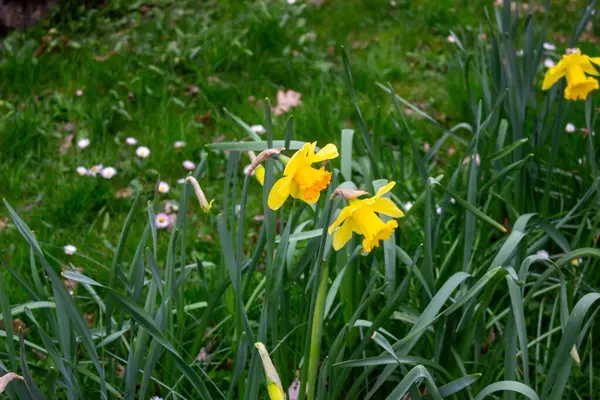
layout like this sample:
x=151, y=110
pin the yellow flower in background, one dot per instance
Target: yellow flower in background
x=360, y=216
x=300, y=180
x=273, y=382
x=574, y=67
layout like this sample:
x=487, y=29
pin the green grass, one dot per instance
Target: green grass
x=414, y=291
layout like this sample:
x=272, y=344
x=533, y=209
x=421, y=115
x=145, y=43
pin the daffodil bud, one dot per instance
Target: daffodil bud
x=273, y=383
x=206, y=206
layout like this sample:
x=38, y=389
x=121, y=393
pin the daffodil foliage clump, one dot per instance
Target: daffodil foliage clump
x=360, y=269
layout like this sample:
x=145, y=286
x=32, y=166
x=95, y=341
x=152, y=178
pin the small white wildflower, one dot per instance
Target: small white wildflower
x=108, y=172
x=180, y=144
x=543, y=253
x=95, y=170
x=181, y=181
x=162, y=220
x=291, y=1
x=520, y=53
x=81, y=170
x=451, y=39
x=83, y=143
x=70, y=249
x=131, y=141
x=580, y=161
x=438, y=210
x=163, y=187
x=549, y=46
x=408, y=205
x=238, y=208
x=187, y=164
x=258, y=129
x=142, y=152
x=549, y=63
x=452, y=200
x=79, y=92
x=570, y=128
x=571, y=50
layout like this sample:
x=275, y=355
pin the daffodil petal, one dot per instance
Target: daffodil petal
x=297, y=160
x=259, y=173
x=279, y=193
x=328, y=152
x=386, y=206
x=595, y=60
x=384, y=189
x=553, y=75
x=343, y=235
x=345, y=213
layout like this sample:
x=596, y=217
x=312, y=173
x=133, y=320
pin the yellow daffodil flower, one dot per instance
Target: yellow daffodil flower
x=360, y=217
x=273, y=382
x=300, y=180
x=574, y=67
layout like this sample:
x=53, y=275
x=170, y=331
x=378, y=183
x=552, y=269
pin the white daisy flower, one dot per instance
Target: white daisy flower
x=570, y=128
x=549, y=63
x=142, y=152
x=162, y=220
x=451, y=39
x=408, y=205
x=180, y=144
x=543, y=254
x=181, y=181
x=81, y=171
x=163, y=187
x=549, y=46
x=156, y=398
x=79, y=92
x=95, y=170
x=70, y=249
x=258, y=129
x=130, y=140
x=187, y=164
x=108, y=172
x=576, y=261
x=83, y=143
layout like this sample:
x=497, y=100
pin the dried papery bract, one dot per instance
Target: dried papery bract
x=204, y=203
x=261, y=158
x=348, y=194
x=273, y=382
x=7, y=378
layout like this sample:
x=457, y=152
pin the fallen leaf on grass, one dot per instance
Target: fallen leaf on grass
x=66, y=144
x=3, y=224
x=124, y=193
x=105, y=57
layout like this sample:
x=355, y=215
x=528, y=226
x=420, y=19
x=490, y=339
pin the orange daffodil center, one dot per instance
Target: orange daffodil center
x=574, y=67
x=300, y=179
x=360, y=216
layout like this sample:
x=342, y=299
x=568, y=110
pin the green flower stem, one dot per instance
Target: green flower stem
x=316, y=333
